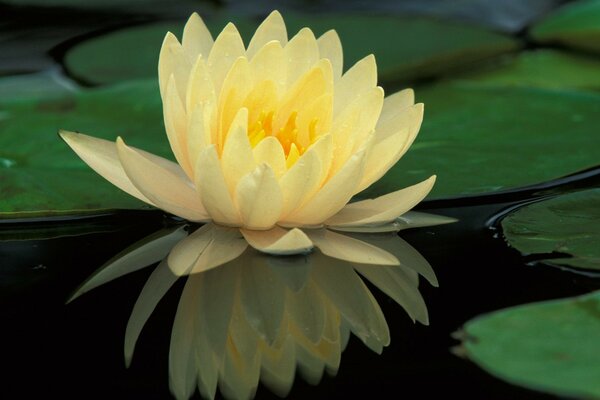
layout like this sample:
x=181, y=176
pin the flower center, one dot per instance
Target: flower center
x=288, y=134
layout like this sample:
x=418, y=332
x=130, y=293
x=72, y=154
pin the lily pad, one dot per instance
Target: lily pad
x=541, y=68
x=575, y=24
x=550, y=346
x=568, y=224
x=38, y=85
x=133, y=52
x=40, y=175
x=481, y=139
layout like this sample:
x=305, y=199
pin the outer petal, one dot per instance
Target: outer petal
x=165, y=189
x=361, y=77
x=383, y=209
x=197, y=39
x=330, y=47
x=278, y=241
x=237, y=158
x=103, y=157
x=183, y=256
x=176, y=126
x=200, y=89
x=397, y=102
x=410, y=219
x=269, y=151
x=211, y=184
x=346, y=248
x=272, y=28
x=259, y=199
x=393, y=138
x=227, y=48
x=332, y=196
x=301, y=53
x=173, y=61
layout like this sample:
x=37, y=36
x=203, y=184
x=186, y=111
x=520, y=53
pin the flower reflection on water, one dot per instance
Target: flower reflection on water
x=260, y=317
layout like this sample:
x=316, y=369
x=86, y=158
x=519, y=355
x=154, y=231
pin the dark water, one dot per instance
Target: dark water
x=76, y=350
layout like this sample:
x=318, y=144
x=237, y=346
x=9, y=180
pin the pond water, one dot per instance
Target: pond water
x=75, y=350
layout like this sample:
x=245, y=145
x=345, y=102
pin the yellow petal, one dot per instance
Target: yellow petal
x=236, y=87
x=383, y=209
x=199, y=131
x=260, y=99
x=315, y=116
x=227, y=48
x=272, y=28
x=301, y=54
x=269, y=64
x=395, y=103
x=213, y=190
x=200, y=88
x=259, y=198
x=176, y=126
x=358, y=79
x=197, y=39
x=278, y=241
x=333, y=196
x=269, y=151
x=173, y=61
x=102, y=156
x=349, y=249
x=164, y=188
x=330, y=47
x=237, y=158
x=392, y=140
x=304, y=178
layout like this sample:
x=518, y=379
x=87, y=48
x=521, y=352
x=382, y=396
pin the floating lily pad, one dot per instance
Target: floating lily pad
x=40, y=175
x=549, y=346
x=39, y=85
x=480, y=139
x=406, y=48
x=541, y=68
x=567, y=224
x=575, y=24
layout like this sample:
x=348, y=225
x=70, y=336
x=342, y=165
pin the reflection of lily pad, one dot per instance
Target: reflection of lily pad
x=550, y=346
x=133, y=52
x=39, y=174
x=576, y=24
x=542, y=68
x=481, y=139
x=568, y=224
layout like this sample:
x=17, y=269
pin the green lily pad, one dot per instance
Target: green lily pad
x=541, y=68
x=575, y=24
x=481, y=139
x=550, y=346
x=406, y=48
x=568, y=223
x=40, y=175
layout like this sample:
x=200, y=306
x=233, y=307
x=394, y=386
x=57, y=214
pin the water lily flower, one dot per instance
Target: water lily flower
x=272, y=140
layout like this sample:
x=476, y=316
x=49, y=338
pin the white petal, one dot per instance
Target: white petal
x=237, y=158
x=395, y=103
x=259, y=199
x=184, y=255
x=141, y=254
x=197, y=39
x=330, y=47
x=164, y=188
x=227, y=48
x=301, y=54
x=102, y=156
x=349, y=249
x=176, y=126
x=173, y=61
x=269, y=151
x=416, y=219
x=278, y=241
x=334, y=194
x=272, y=28
x=383, y=209
x=304, y=178
x=227, y=244
x=358, y=79
x=211, y=184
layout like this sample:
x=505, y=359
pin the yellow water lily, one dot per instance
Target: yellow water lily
x=272, y=139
